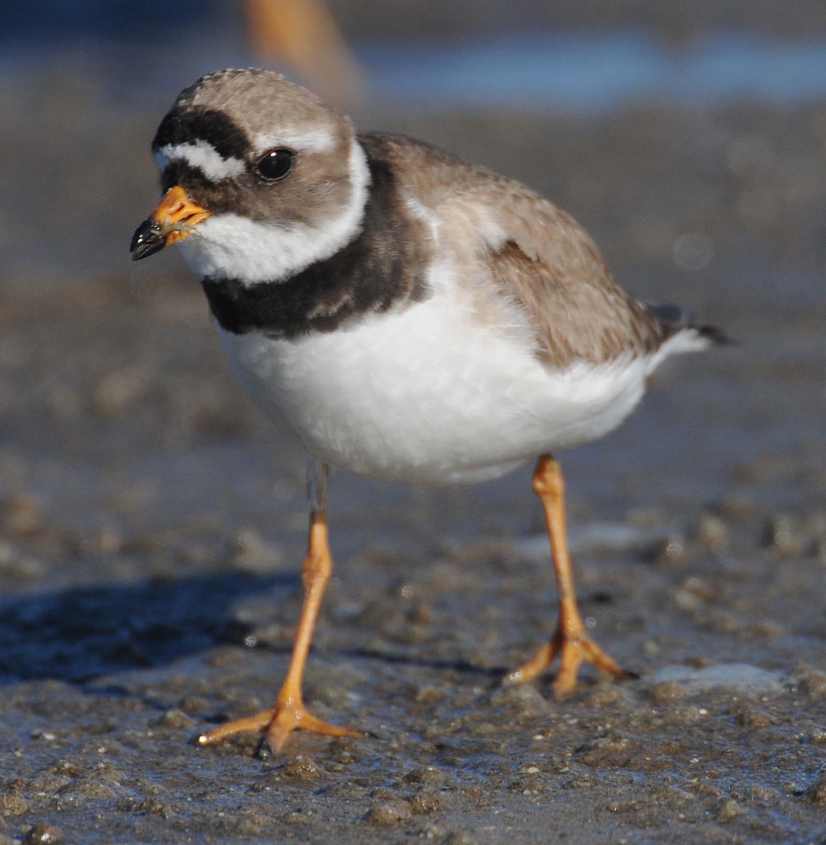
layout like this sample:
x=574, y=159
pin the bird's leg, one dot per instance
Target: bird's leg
x=288, y=713
x=570, y=641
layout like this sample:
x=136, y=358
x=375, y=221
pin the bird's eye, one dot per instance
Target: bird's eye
x=274, y=164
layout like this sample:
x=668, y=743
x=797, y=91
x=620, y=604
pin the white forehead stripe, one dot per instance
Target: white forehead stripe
x=204, y=156
x=318, y=140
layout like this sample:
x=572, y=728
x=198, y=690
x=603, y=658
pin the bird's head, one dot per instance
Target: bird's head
x=259, y=178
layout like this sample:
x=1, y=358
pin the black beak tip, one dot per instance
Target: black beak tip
x=147, y=240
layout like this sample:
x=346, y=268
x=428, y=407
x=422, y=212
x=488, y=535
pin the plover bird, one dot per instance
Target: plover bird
x=408, y=315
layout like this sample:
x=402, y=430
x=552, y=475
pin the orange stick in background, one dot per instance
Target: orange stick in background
x=304, y=34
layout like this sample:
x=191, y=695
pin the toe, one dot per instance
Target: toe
x=248, y=724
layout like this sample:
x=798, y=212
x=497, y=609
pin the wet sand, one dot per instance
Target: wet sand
x=151, y=527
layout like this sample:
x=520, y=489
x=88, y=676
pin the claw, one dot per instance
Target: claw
x=276, y=724
x=573, y=651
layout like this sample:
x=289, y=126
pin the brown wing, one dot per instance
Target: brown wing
x=577, y=311
x=550, y=265
x=531, y=252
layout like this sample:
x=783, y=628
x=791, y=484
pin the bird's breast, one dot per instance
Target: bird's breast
x=426, y=394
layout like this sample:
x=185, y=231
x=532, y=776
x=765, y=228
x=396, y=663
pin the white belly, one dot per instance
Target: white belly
x=428, y=395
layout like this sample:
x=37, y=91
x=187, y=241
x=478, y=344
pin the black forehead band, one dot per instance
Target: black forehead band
x=181, y=126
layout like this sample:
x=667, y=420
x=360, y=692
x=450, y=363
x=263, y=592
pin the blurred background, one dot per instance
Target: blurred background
x=689, y=139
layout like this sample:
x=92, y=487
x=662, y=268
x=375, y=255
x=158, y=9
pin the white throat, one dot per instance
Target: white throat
x=235, y=247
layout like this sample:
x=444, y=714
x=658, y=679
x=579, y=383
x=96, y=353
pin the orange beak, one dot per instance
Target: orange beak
x=173, y=220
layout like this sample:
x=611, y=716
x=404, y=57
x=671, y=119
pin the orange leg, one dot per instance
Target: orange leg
x=570, y=640
x=288, y=713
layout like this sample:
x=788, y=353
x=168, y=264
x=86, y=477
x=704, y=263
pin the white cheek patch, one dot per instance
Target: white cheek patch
x=204, y=156
x=234, y=247
x=318, y=140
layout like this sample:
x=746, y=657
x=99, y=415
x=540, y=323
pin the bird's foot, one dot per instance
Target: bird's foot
x=573, y=647
x=276, y=724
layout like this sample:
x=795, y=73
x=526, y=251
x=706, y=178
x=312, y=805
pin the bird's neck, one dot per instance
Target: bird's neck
x=381, y=267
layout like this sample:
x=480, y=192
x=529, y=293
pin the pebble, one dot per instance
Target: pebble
x=608, y=752
x=783, y=536
x=712, y=532
x=672, y=550
x=44, y=834
x=12, y=804
x=461, y=837
x=425, y=802
x=432, y=831
x=817, y=793
x=21, y=514
x=427, y=776
x=729, y=811
x=811, y=681
x=302, y=768
x=667, y=692
x=14, y=564
x=390, y=813
x=526, y=699
x=174, y=718
x=748, y=717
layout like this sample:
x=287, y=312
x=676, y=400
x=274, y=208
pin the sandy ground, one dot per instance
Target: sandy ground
x=151, y=526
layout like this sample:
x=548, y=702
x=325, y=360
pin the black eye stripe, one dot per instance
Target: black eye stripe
x=181, y=126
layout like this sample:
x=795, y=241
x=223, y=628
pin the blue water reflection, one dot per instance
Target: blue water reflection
x=598, y=72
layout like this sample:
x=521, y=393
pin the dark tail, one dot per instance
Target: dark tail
x=674, y=319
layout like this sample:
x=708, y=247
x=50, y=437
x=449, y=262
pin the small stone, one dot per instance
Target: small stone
x=427, y=776
x=174, y=718
x=44, y=834
x=667, y=692
x=651, y=648
x=193, y=705
x=390, y=813
x=608, y=752
x=429, y=695
x=811, y=681
x=763, y=795
x=686, y=601
x=736, y=507
x=606, y=695
x=153, y=807
x=425, y=802
x=431, y=831
x=12, y=804
x=817, y=794
x=21, y=514
x=672, y=550
x=460, y=837
x=302, y=768
x=729, y=811
x=17, y=565
x=252, y=824
x=783, y=536
x=749, y=717
x=524, y=698
x=712, y=532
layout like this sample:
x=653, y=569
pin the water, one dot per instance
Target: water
x=587, y=73
x=596, y=72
